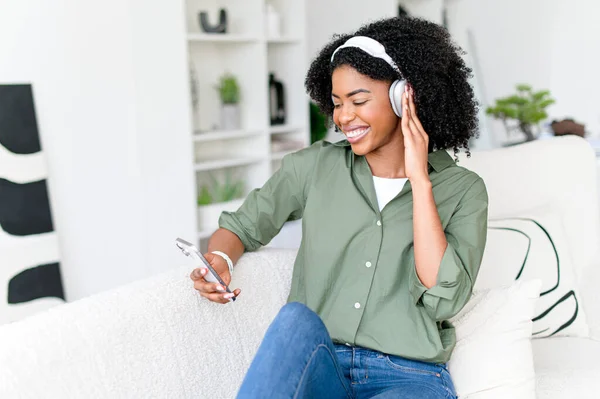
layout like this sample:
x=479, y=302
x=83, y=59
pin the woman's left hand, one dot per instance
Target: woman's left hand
x=416, y=141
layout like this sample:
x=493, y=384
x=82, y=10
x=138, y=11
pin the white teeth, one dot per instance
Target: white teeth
x=357, y=132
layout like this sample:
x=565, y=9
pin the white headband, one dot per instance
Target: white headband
x=369, y=46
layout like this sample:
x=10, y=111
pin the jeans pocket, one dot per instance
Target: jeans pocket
x=448, y=384
x=403, y=365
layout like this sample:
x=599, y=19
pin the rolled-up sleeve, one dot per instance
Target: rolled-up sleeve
x=466, y=234
x=266, y=209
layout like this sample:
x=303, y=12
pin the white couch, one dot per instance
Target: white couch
x=158, y=339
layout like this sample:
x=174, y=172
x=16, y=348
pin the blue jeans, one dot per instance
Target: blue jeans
x=297, y=359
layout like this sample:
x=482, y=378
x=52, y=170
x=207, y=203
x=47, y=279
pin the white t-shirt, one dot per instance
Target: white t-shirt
x=387, y=189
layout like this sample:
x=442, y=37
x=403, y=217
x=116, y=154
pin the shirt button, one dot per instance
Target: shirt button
x=357, y=305
x=379, y=223
x=368, y=264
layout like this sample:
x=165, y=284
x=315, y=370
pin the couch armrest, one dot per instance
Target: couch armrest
x=589, y=285
x=153, y=338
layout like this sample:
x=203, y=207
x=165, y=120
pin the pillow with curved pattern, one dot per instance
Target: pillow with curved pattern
x=535, y=247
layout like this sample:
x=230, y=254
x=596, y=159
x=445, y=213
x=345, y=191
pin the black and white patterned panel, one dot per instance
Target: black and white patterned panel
x=30, y=279
x=524, y=248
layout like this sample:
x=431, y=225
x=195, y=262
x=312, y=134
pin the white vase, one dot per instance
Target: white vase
x=208, y=215
x=273, y=22
x=230, y=116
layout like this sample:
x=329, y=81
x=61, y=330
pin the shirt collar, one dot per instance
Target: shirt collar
x=438, y=160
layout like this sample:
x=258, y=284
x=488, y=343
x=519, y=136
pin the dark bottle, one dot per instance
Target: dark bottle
x=276, y=101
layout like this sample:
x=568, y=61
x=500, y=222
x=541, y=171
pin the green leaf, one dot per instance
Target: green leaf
x=229, y=90
x=318, y=124
x=516, y=100
x=546, y=103
x=503, y=102
x=510, y=113
x=205, y=198
x=227, y=190
x=540, y=95
x=523, y=87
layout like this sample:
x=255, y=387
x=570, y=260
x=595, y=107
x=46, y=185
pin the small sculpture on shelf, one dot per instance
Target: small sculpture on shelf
x=567, y=126
x=277, y=110
x=229, y=92
x=220, y=27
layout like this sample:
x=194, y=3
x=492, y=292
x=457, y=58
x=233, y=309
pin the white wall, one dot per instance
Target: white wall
x=575, y=60
x=109, y=81
x=550, y=44
x=324, y=18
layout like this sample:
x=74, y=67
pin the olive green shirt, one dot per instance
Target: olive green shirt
x=355, y=266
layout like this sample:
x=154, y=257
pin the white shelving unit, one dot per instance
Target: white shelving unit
x=214, y=38
x=224, y=135
x=254, y=151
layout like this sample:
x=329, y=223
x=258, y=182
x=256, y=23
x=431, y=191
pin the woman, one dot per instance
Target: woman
x=393, y=229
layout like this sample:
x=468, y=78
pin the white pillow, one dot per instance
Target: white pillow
x=493, y=356
x=536, y=247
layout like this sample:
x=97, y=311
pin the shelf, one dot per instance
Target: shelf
x=223, y=135
x=238, y=38
x=279, y=129
x=252, y=151
x=226, y=163
x=283, y=40
x=220, y=38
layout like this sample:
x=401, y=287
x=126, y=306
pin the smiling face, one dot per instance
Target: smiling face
x=363, y=112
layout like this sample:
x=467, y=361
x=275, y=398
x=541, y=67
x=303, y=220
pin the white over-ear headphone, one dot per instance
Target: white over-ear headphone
x=376, y=49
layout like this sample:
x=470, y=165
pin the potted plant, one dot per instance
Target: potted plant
x=216, y=198
x=526, y=107
x=318, y=124
x=229, y=91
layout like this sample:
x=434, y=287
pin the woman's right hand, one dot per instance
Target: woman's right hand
x=214, y=291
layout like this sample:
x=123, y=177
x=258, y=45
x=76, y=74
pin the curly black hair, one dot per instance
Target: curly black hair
x=427, y=58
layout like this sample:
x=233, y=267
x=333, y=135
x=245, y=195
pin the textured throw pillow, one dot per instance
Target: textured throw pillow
x=536, y=248
x=493, y=358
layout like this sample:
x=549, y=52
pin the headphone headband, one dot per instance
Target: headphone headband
x=369, y=46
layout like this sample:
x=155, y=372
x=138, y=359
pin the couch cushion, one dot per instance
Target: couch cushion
x=566, y=367
x=492, y=358
x=560, y=173
x=156, y=338
x=534, y=245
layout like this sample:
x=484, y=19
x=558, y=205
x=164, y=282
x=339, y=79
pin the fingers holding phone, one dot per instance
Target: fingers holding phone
x=209, y=286
x=213, y=277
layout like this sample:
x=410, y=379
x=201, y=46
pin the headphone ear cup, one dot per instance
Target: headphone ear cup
x=396, y=91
